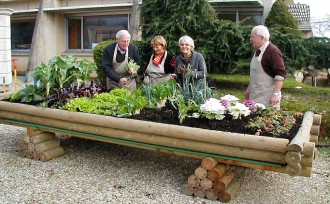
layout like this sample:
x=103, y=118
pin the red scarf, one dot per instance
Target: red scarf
x=158, y=58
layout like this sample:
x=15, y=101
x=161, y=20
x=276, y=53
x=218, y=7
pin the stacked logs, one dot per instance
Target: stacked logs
x=40, y=145
x=212, y=180
x=301, y=150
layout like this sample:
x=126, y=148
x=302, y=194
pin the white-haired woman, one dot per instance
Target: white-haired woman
x=191, y=66
x=115, y=58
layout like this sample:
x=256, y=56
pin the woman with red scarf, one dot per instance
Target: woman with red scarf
x=161, y=66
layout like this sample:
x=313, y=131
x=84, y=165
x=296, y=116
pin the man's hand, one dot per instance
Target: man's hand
x=131, y=72
x=123, y=81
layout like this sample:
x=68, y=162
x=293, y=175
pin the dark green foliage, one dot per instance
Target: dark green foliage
x=292, y=46
x=280, y=18
x=319, y=52
x=173, y=19
x=30, y=93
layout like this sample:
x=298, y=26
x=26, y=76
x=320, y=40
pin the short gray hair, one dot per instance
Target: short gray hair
x=121, y=33
x=188, y=40
x=262, y=31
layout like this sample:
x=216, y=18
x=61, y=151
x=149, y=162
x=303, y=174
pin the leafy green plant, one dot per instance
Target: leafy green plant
x=61, y=72
x=132, y=65
x=30, y=93
x=45, y=75
x=273, y=122
x=118, y=102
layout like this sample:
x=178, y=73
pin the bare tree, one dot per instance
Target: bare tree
x=321, y=26
x=134, y=26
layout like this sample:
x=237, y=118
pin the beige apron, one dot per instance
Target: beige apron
x=157, y=73
x=261, y=84
x=119, y=68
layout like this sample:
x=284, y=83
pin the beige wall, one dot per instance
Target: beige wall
x=34, y=4
x=267, y=7
x=70, y=3
x=20, y=5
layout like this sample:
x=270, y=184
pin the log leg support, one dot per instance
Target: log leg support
x=40, y=145
x=212, y=180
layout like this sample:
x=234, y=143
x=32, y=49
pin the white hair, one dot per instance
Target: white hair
x=262, y=30
x=121, y=33
x=188, y=40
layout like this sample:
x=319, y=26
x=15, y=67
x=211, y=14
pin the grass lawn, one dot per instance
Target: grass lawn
x=306, y=98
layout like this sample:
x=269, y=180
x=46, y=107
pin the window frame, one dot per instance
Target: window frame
x=22, y=20
x=81, y=17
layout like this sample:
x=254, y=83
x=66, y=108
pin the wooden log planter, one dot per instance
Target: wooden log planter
x=217, y=149
x=232, y=148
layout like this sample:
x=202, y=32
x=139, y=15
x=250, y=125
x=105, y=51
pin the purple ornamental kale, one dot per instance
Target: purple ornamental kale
x=252, y=105
x=225, y=103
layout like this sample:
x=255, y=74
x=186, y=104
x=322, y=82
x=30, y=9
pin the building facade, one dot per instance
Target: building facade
x=42, y=29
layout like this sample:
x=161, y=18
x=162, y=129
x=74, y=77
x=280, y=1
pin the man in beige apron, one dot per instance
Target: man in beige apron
x=126, y=81
x=267, y=70
x=115, y=58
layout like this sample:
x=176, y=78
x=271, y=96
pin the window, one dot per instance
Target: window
x=243, y=17
x=250, y=19
x=86, y=32
x=21, y=34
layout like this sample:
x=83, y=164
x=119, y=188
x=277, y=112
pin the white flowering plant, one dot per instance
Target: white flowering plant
x=229, y=105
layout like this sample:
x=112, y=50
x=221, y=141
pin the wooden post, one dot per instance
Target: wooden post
x=208, y=163
x=44, y=146
x=293, y=170
x=193, y=181
x=200, y=173
x=230, y=191
x=317, y=119
x=220, y=184
x=187, y=189
x=309, y=148
x=212, y=194
x=315, y=130
x=306, y=171
x=303, y=135
x=314, y=138
x=199, y=192
x=51, y=153
x=31, y=131
x=217, y=172
x=42, y=137
x=293, y=158
x=206, y=184
x=307, y=161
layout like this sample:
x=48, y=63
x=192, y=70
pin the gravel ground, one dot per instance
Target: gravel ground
x=96, y=172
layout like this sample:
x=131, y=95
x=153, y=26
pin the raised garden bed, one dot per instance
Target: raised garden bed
x=273, y=154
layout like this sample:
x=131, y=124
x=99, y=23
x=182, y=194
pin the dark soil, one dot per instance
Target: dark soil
x=169, y=115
